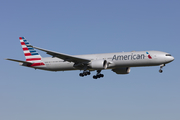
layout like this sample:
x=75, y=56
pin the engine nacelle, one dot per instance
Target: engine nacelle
x=125, y=70
x=98, y=64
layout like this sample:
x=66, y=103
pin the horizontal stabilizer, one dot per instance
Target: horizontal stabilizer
x=19, y=61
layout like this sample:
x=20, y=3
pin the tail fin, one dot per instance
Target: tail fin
x=30, y=53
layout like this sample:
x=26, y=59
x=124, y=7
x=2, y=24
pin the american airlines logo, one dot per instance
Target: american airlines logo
x=131, y=57
x=149, y=56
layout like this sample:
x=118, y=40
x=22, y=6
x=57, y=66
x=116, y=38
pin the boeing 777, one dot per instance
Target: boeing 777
x=119, y=63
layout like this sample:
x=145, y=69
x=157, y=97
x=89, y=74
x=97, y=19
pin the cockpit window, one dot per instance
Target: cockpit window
x=168, y=54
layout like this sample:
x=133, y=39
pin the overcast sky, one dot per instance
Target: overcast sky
x=85, y=27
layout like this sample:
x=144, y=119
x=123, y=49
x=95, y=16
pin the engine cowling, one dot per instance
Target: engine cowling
x=125, y=70
x=98, y=64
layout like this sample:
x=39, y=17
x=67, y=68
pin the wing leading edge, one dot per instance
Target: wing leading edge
x=64, y=57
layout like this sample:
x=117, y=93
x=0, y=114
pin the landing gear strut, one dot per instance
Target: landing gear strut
x=85, y=73
x=161, y=66
x=98, y=75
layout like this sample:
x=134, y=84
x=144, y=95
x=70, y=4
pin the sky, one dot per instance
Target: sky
x=86, y=27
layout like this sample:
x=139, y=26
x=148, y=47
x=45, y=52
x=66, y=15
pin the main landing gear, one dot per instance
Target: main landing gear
x=85, y=73
x=98, y=75
x=161, y=66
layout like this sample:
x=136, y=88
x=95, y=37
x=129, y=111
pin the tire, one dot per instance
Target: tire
x=88, y=73
x=101, y=75
x=160, y=71
x=95, y=77
x=81, y=74
x=98, y=76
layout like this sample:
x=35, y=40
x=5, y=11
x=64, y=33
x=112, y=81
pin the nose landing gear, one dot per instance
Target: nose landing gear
x=160, y=71
x=161, y=66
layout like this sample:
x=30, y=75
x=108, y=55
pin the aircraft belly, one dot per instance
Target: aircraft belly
x=61, y=66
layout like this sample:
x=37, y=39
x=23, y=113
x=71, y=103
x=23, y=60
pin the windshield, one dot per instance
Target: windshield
x=168, y=54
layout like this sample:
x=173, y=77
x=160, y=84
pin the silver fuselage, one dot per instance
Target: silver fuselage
x=115, y=60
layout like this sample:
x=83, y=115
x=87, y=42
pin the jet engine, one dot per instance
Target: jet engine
x=98, y=64
x=125, y=70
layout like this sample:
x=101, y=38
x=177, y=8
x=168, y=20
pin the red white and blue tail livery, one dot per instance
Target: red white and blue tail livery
x=119, y=63
x=30, y=53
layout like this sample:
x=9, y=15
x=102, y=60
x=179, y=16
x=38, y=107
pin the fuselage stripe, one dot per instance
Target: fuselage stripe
x=33, y=59
x=22, y=43
x=34, y=54
x=31, y=51
x=27, y=54
x=36, y=64
x=25, y=48
x=26, y=51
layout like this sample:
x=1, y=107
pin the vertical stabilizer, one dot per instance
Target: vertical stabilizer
x=30, y=53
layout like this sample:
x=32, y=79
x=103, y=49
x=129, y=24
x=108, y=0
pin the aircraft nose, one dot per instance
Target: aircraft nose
x=169, y=58
x=172, y=58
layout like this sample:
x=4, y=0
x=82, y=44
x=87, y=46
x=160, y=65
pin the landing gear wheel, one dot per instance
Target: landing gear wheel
x=88, y=73
x=95, y=77
x=101, y=75
x=85, y=73
x=81, y=74
x=161, y=66
x=98, y=75
x=160, y=71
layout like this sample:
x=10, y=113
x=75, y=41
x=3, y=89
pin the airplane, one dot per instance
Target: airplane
x=119, y=63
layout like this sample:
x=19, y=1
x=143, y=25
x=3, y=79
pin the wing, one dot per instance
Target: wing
x=65, y=57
